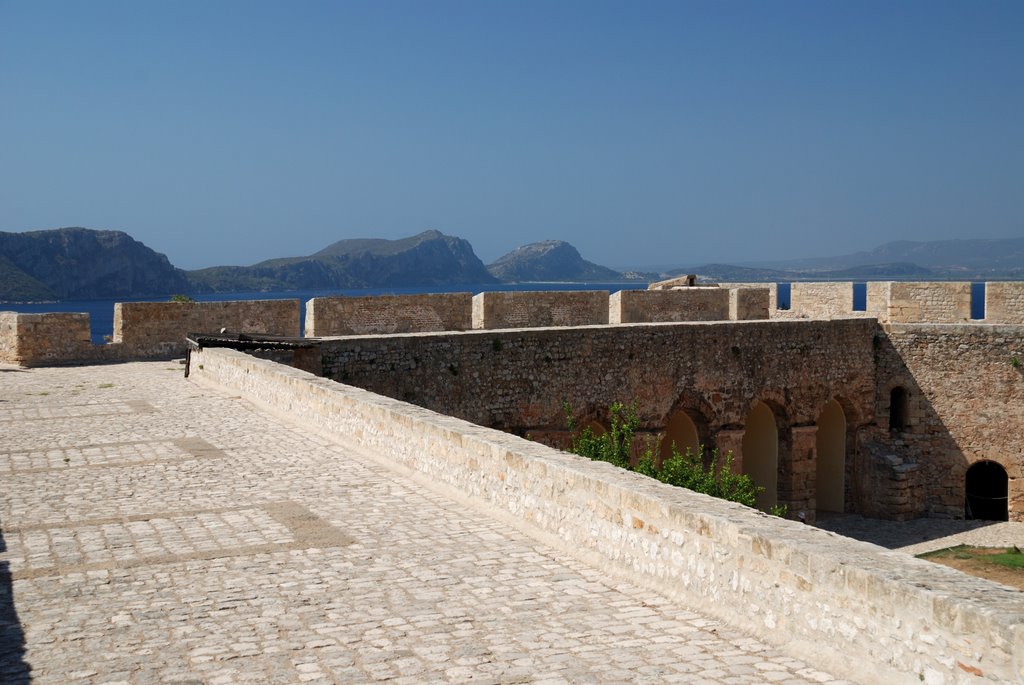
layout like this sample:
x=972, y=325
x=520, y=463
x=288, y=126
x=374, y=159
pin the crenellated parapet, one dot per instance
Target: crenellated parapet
x=142, y=330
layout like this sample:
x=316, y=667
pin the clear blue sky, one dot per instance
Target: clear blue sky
x=644, y=133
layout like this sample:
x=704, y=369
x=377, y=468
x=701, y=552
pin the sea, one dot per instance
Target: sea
x=101, y=312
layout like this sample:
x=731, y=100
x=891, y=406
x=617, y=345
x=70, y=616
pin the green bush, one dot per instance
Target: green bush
x=712, y=476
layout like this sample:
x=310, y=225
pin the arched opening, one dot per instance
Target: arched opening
x=898, y=411
x=680, y=431
x=595, y=427
x=987, y=492
x=761, y=454
x=830, y=480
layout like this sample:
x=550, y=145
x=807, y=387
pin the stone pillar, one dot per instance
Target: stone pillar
x=797, y=473
x=730, y=441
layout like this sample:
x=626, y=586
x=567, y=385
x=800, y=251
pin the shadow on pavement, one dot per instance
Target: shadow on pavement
x=13, y=669
x=896, y=534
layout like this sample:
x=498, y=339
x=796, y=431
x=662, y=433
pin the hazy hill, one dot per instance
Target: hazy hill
x=549, y=260
x=78, y=263
x=867, y=272
x=1002, y=257
x=428, y=259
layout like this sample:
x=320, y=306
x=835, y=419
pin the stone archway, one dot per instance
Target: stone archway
x=761, y=454
x=682, y=432
x=987, y=490
x=830, y=469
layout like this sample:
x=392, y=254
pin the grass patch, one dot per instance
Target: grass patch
x=1010, y=557
x=1001, y=564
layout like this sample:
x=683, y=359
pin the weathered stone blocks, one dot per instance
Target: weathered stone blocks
x=370, y=315
x=709, y=303
x=535, y=309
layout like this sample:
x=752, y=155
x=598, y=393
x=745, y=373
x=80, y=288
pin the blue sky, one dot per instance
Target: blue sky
x=645, y=133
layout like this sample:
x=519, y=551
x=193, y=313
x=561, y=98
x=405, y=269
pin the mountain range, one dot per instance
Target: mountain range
x=80, y=263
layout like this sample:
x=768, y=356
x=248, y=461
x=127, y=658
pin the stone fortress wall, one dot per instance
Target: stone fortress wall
x=155, y=329
x=880, y=412
x=961, y=379
x=824, y=596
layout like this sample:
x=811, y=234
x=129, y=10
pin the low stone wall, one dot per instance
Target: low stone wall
x=1004, y=302
x=681, y=304
x=878, y=615
x=158, y=329
x=44, y=339
x=382, y=314
x=142, y=330
x=533, y=309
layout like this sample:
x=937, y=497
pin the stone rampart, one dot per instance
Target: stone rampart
x=517, y=379
x=881, y=616
x=328, y=316
x=709, y=303
x=715, y=372
x=158, y=329
x=533, y=309
x=1004, y=302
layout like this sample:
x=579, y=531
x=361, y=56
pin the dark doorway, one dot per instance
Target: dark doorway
x=898, y=409
x=987, y=492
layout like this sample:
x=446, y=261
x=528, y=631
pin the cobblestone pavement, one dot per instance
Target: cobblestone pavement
x=156, y=532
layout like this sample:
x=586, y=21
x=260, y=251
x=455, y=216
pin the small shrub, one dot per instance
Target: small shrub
x=181, y=298
x=1015, y=362
x=689, y=469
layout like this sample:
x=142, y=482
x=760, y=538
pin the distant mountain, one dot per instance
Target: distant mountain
x=973, y=257
x=79, y=263
x=428, y=259
x=739, y=274
x=549, y=260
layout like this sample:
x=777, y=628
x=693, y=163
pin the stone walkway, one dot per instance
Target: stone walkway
x=155, y=532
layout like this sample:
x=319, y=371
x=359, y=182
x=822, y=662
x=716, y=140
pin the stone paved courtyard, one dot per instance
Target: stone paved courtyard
x=157, y=532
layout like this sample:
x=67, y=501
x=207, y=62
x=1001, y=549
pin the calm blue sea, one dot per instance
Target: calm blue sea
x=101, y=312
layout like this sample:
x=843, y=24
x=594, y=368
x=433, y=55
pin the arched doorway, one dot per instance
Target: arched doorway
x=682, y=432
x=830, y=480
x=987, y=490
x=761, y=454
x=596, y=428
